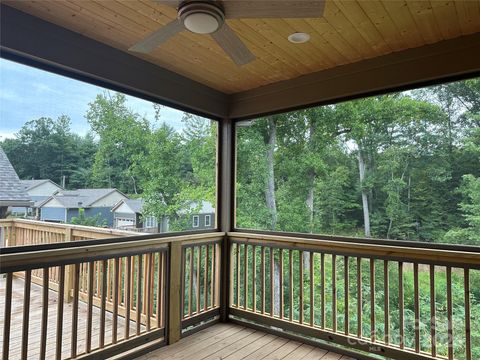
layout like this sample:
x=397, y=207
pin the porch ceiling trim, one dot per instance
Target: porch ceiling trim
x=32, y=41
x=446, y=60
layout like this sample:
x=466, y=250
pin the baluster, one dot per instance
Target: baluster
x=197, y=290
x=468, y=343
x=372, y=300
x=263, y=280
x=76, y=283
x=449, y=312
x=43, y=335
x=290, y=283
x=232, y=268
x=26, y=312
x=103, y=300
x=300, y=274
x=214, y=274
x=346, y=292
x=400, y=305
x=160, y=288
x=7, y=315
x=334, y=293
x=184, y=274
x=91, y=269
x=116, y=267
x=312, y=292
x=190, y=297
x=386, y=292
x=245, y=276
x=139, y=294
x=280, y=265
x=128, y=290
x=148, y=291
x=238, y=274
x=272, y=282
x=322, y=289
x=254, y=279
x=61, y=290
x=205, y=278
x=416, y=307
x=359, y=298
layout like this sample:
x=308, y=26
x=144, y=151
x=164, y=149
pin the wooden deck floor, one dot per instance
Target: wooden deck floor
x=235, y=342
x=220, y=341
x=35, y=323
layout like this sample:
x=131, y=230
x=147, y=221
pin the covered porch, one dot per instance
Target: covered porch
x=78, y=292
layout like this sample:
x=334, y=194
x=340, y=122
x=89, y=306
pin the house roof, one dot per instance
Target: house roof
x=31, y=184
x=72, y=199
x=136, y=205
x=12, y=192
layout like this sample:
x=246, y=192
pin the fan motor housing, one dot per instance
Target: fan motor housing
x=201, y=17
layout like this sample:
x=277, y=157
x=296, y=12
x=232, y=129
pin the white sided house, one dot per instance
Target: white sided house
x=128, y=215
x=65, y=205
x=39, y=191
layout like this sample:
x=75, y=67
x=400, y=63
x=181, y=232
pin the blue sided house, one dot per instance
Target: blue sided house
x=64, y=205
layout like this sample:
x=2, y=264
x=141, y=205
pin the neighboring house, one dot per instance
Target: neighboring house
x=128, y=215
x=39, y=191
x=202, y=217
x=65, y=205
x=12, y=192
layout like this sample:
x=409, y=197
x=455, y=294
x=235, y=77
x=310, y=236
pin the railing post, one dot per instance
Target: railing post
x=69, y=271
x=174, y=296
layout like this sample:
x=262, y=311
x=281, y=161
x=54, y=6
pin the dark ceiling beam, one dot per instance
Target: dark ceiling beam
x=32, y=41
x=446, y=60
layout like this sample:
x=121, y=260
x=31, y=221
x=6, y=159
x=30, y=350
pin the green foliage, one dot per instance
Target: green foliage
x=82, y=219
x=47, y=149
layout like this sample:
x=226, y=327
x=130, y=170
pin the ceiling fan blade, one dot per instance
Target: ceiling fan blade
x=235, y=9
x=156, y=38
x=232, y=45
x=172, y=3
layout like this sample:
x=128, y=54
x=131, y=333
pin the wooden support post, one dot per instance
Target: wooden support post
x=69, y=270
x=175, y=289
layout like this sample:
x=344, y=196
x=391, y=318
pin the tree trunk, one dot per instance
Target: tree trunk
x=272, y=204
x=270, y=183
x=366, y=211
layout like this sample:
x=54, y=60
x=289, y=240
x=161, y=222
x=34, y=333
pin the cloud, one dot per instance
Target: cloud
x=9, y=95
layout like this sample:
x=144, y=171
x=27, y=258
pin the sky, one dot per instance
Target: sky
x=27, y=93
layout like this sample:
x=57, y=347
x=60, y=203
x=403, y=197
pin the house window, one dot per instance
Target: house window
x=196, y=221
x=150, y=222
x=207, y=220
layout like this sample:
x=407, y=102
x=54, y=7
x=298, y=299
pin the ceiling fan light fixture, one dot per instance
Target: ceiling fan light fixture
x=201, y=18
x=201, y=23
x=299, y=38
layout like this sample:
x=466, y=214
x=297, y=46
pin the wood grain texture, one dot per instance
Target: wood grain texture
x=347, y=32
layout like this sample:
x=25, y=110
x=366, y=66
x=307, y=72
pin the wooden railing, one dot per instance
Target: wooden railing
x=394, y=299
x=201, y=271
x=20, y=232
x=361, y=295
x=17, y=232
x=123, y=295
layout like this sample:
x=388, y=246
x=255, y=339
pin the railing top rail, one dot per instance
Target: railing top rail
x=372, y=249
x=38, y=258
x=46, y=225
x=349, y=239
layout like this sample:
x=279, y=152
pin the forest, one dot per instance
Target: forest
x=398, y=166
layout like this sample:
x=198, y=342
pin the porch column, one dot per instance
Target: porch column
x=225, y=203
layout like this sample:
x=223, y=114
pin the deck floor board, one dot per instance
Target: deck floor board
x=220, y=341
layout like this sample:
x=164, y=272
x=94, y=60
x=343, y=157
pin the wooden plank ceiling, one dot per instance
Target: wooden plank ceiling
x=348, y=32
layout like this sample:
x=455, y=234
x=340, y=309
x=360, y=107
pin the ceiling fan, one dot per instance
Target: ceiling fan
x=208, y=17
